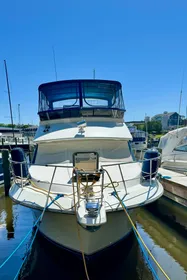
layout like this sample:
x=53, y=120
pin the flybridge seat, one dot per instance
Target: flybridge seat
x=76, y=98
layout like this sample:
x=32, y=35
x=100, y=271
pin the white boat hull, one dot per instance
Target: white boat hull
x=62, y=229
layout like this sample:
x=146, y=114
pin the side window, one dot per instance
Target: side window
x=182, y=148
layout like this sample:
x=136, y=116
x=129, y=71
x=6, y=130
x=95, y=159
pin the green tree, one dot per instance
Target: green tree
x=10, y=125
x=153, y=127
x=140, y=126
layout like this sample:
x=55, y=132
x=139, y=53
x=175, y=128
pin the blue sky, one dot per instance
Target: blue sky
x=143, y=44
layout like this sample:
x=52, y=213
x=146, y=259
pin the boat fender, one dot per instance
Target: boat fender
x=150, y=164
x=18, y=156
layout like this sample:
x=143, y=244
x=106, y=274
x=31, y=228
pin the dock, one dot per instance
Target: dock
x=175, y=185
x=20, y=142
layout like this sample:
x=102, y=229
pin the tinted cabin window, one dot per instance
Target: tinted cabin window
x=181, y=148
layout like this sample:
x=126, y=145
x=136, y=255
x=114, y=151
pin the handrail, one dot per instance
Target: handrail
x=44, y=165
x=138, y=161
x=121, y=163
x=123, y=180
x=150, y=173
x=67, y=166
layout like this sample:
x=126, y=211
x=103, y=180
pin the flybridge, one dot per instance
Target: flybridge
x=76, y=98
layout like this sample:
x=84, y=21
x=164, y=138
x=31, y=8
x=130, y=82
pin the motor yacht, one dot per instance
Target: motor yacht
x=83, y=155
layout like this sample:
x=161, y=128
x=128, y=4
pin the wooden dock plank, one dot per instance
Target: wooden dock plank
x=175, y=188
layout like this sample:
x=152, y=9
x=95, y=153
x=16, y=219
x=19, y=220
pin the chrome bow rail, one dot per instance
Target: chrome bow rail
x=149, y=175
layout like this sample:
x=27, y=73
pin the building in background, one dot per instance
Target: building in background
x=168, y=120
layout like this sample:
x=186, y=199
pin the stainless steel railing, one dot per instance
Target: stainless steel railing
x=150, y=174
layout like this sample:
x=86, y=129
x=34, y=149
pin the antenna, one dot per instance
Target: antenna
x=19, y=119
x=146, y=124
x=94, y=74
x=9, y=98
x=54, y=60
x=180, y=99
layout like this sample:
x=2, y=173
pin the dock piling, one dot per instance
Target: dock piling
x=6, y=170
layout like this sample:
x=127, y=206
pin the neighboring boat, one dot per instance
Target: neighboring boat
x=139, y=139
x=174, y=150
x=83, y=153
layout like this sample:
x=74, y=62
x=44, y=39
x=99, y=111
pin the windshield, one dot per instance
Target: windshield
x=99, y=94
x=82, y=94
x=181, y=148
x=57, y=95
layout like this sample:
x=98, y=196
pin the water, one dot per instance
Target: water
x=166, y=243
x=163, y=227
